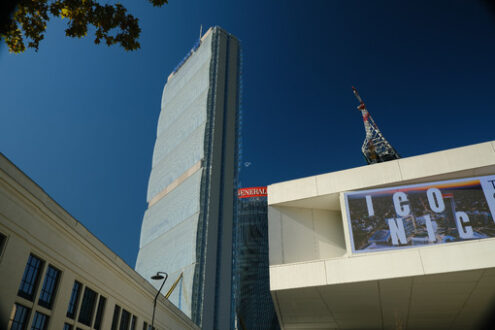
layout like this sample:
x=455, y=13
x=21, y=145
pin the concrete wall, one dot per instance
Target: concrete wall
x=35, y=224
x=303, y=234
x=305, y=217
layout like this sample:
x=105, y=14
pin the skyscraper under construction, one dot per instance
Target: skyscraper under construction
x=187, y=230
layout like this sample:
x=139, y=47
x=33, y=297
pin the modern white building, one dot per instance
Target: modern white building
x=405, y=244
x=54, y=274
x=187, y=229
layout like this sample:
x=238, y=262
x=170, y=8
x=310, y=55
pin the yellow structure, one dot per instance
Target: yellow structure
x=54, y=274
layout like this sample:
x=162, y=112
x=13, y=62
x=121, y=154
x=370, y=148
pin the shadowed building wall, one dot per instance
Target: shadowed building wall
x=255, y=306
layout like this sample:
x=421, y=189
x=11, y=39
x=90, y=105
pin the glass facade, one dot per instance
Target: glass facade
x=168, y=234
x=255, y=308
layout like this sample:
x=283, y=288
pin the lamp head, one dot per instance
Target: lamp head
x=157, y=277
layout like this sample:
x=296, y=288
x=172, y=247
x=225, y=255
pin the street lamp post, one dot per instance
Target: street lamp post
x=156, y=277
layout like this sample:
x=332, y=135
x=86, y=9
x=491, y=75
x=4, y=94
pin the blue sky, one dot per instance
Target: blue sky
x=80, y=119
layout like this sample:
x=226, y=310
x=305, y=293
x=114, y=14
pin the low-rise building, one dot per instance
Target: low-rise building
x=54, y=274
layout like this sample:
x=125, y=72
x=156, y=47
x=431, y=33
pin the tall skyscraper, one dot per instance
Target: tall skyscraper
x=188, y=226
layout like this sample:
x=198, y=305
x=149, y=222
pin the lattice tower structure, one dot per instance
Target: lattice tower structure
x=375, y=148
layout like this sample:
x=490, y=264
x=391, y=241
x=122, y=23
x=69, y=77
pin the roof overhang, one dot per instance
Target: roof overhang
x=439, y=286
x=322, y=191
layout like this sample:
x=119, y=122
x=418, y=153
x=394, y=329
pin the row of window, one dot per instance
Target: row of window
x=91, y=310
x=127, y=320
x=88, y=304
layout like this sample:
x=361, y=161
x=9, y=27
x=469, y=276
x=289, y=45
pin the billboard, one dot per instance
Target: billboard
x=421, y=214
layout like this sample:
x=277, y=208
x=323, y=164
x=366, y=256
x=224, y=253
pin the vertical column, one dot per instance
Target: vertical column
x=224, y=275
x=213, y=197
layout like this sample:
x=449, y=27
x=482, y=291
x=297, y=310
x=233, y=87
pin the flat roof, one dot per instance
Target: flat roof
x=322, y=191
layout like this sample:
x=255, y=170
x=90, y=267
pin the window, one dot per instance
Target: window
x=49, y=288
x=147, y=327
x=30, y=278
x=40, y=321
x=3, y=240
x=133, y=322
x=125, y=319
x=115, y=320
x=20, y=317
x=76, y=290
x=99, y=312
x=68, y=326
x=87, y=307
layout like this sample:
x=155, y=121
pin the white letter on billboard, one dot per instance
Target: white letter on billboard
x=429, y=228
x=488, y=185
x=369, y=204
x=464, y=232
x=436, y=200
x=397, y=232
x=400, y=204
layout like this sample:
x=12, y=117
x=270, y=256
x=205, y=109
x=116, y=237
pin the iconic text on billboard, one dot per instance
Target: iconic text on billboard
x=422, y=214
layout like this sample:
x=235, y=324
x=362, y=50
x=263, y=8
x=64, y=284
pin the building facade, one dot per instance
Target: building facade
x=405, y=244
x=54, y=274
x=254, y=304
x=187, y=230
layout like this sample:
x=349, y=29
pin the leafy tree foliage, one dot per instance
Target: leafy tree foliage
x=114, y=25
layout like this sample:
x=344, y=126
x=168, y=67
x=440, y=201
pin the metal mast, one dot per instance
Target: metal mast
x=376, y=148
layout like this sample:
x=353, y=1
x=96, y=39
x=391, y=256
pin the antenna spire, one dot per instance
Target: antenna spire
x=376, y=148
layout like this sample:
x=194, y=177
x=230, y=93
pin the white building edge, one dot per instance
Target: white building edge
x=318, y=282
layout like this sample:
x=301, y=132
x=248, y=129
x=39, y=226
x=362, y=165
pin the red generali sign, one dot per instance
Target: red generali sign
x=251, y=192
